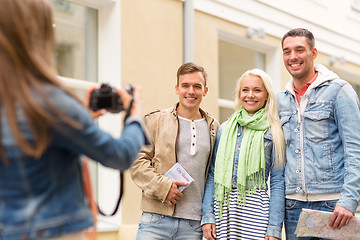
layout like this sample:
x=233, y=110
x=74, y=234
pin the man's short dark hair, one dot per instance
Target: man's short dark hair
x=190, y=67
x=300, y=32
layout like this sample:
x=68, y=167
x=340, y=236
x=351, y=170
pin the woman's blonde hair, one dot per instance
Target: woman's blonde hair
x=26, y=48
x=272, y=111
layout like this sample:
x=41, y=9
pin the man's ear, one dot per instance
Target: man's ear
x=205, y=91
x=314, y=53
x=177, y=89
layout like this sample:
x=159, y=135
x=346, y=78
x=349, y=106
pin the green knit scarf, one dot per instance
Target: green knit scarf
x=251, y=165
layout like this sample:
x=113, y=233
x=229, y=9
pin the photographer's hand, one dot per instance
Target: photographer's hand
x=136, y=108
x=86, y=103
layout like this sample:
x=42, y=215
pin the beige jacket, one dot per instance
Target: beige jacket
x=155, y=160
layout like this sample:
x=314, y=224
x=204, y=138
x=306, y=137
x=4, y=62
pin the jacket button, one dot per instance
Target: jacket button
x=297, y=150
x=296, y=130
x=297, y=171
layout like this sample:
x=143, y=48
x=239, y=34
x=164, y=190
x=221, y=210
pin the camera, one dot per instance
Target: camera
x=107, y=98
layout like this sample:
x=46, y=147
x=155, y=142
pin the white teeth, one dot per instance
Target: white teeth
x=295, y=65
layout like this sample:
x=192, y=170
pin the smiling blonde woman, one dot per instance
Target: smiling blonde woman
x=249, y=149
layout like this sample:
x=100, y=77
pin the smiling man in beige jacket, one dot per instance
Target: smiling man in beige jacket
x=185, y=134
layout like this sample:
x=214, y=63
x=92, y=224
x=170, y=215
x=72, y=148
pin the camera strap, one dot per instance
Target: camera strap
x=128, y=111
x=121, y=175
x=95, y=208
x=119, y=199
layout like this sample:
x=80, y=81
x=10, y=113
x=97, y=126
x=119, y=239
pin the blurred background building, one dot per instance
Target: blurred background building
x=145, y=41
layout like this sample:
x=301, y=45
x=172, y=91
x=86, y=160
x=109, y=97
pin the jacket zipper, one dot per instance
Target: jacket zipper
x=302, y=154
x=300, y=116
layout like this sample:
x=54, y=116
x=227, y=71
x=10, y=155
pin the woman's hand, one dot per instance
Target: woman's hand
x=209, y=231
x=86, y=103
x=136, y=108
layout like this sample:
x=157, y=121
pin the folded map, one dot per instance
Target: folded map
x=313, y=223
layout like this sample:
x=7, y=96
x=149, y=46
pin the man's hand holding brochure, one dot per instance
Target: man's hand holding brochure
x=316, y=224
x=178, y=173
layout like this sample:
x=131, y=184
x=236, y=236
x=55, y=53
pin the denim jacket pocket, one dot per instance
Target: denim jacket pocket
x=317, y=125
x=285, y=123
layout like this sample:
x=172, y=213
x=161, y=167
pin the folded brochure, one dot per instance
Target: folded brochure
x=314, y=223
x=178, y=173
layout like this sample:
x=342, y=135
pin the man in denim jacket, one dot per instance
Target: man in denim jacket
x=320, y=116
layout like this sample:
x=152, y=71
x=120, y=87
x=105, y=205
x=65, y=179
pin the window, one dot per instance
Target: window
x=234, y=60
x=76, y=40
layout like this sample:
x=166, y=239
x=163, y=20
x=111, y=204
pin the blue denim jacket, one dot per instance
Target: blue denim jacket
x=277, y=188
x=44, y=198
x=323, y=139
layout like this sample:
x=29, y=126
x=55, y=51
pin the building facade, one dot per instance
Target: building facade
x=145, y=41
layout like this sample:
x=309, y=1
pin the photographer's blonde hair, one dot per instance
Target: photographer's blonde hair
x=272, y=111
x=26, y=48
